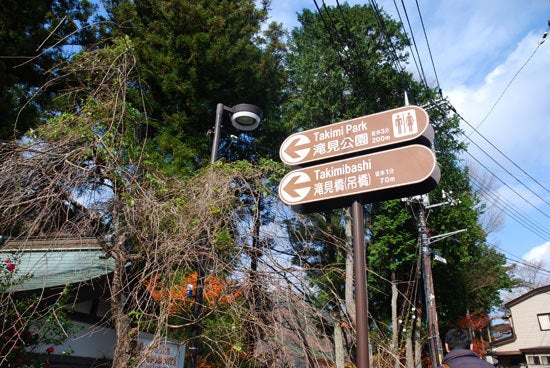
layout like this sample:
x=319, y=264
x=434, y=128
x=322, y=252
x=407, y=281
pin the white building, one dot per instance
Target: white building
x=52, y=264
x=528, y=345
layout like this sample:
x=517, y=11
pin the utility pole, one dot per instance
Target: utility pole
x=434, y=341
x=425, y=239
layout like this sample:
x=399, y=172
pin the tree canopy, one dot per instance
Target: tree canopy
x=348, y=61
x=35, y=39
x=112, y=141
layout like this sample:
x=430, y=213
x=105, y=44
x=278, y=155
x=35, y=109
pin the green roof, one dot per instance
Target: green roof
x=55, y=262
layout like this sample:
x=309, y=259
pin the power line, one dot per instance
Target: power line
x=352, y=48
x=499, y=151
x=511, y=80
x=338, y=41
x=508, y=171
x=501, y=166
x=331, y=36
x=387, y=39
x=512, y=175
x=349, y=33
x=420, y=67
x=519, y=260
x=535, y=228
x=429, y=48
x=506, y=207
x=344, y=41
x=510, y=211
x=412, y=52
x=414, y=43
x=545, y=188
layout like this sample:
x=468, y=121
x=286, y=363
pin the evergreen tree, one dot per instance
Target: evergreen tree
x=341, y=66
x=141, y=101
x=35, y=38
x=345, y=62
x=193, y=55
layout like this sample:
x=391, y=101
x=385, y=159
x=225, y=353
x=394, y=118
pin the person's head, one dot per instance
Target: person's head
x=457, y=338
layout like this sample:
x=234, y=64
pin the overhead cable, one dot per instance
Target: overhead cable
x=423, y=75
x=502, y=167
x=521, y=261
x=429, y=48
x=539, y=43
x=503, y=205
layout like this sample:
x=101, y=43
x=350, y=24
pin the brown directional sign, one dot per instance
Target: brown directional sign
x=373, y=177
x=356, y=135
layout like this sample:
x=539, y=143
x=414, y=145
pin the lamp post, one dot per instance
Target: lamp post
x=244, y=117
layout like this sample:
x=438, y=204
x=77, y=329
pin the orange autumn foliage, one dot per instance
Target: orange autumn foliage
x=216, y=291
x=476, y=323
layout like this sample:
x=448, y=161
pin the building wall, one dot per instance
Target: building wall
x=526, y=325
x=99, y=343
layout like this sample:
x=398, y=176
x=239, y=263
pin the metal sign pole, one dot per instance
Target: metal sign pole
x=409, y=168
x=362, y=355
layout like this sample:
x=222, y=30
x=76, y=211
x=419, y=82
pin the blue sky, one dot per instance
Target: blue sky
x=492, y=66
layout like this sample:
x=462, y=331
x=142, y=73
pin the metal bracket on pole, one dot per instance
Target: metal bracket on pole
x=443, y=236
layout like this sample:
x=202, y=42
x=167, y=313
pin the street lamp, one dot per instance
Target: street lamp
x=243, y=117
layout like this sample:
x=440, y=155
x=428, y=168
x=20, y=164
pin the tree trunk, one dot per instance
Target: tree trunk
x=409, y=349
x=306, y=349
x=126, y=334
x=338, y=344
x=196, y=328
x=255, y=297
x=395, y=324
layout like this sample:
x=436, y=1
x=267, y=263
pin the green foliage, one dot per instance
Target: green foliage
x=475, y=273
x=56, y=325
x=344, y=69
x=13, y=325
x=33, y=38
x=140, y=103
x=193, y=55
x=327, y=84
x=318, y=246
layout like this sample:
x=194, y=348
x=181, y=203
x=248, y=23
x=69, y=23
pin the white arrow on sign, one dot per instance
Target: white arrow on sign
x=295, y=149
x=295, y=187
x=356, y=136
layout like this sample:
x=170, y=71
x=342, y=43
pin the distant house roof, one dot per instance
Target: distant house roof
x=530, y=294
x=55, y=262
x=527, y=335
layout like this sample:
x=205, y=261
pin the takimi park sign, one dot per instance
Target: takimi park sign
x=393, y=173
x=356, y=135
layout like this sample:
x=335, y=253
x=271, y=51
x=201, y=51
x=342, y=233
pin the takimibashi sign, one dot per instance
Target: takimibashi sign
x=374, y=177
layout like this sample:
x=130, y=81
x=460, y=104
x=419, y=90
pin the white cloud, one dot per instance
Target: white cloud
x=478, y=47
x=519, y=119
x=539, y=254
x=517, y=126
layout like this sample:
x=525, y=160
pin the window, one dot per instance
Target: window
x=540, y=361
x=544, y=321
x=533, y=359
